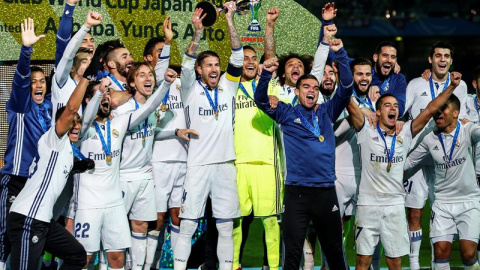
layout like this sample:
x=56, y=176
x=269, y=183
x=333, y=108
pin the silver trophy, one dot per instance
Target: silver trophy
x=213, y=11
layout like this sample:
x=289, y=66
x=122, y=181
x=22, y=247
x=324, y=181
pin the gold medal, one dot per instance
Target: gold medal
x=164, y=108
x=143, y=139
x=389, y=166
x=109, y=158
x=321, y=138
x=216, y=114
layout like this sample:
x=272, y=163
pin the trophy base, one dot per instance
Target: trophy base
x=254, y=26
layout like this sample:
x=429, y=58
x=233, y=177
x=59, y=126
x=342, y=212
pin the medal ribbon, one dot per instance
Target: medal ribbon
x=455, y=137
x=42, y=111
x=392, y=146
x=145, y=124
x=385, y=86
x=77, y=152
x=214, y=105
x=315, y=129
x=165, y=99
x=432, y=92
x=107, y=147
x=245, y=90
x=366, y=101
x=116, y=82
x=294, y=101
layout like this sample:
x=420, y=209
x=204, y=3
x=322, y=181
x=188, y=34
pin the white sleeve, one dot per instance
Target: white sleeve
x=409, y=98
x=52, y=141
x=65, y=64
x=187, y=78
x=462, y=93
x=362, y=133
x=164, y=134
x=474, y=131
x=416, y=156
x=343, y=127
x=162, y=64
x=319, y=60
x=90, y=112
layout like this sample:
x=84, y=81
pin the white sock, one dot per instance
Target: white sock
x=152, y=242
x=128, y=259
x=184, y=244
x=174, y=235
x=415, y=243
x=225, y=244
x=441, y=265
x=138, y=250
x=473, y=265
x=308, y=259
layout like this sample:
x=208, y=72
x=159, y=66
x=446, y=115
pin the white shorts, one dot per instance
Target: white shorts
x=215, y=180
x=139, y=199
x=346, y=188
x=169, y=178
x=419, y=187
x=386, y=223
x=455, y=218
x=107, y=225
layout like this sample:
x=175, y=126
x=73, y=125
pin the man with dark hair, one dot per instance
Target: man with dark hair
x=28, y=116
x=117, y=62
x=309, y=126
x=419, y=93
x=383, y=75
x=380, y=213
x=456, y=209
x=153, y=49
x=209, y=108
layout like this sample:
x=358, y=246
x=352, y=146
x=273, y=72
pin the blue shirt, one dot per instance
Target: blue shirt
x=397, y=87
x=309, y=162
x=23, y=113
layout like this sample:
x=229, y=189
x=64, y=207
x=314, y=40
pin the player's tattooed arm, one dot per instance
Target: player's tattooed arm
x=198, y=26
x=234, y=37
x=269, y=41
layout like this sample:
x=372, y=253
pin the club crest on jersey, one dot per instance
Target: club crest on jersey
x=399, y=140
x=178, y=87
x=115, y=133
x=298, y=121
x=35, y=239
x=457, y=144
x=182, y=209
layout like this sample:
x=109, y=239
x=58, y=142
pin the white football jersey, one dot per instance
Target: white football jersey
x=377, y=186
x=455, y=179
x=171, y=149
x=419, y=95
x=60, y=96
x=215, y=143
x=473, y=115
x=136, y=153
x=49, y=174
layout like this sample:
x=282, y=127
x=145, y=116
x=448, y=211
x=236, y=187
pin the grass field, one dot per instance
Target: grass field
x=253, y=253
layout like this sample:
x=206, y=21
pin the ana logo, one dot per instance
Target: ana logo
x=115, y=133
x=298, y=121
x=35, y=239
x=424, y=94
x=435, y=148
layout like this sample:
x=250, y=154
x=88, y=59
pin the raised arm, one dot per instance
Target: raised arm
x=436, y=104
x=64, y=29
x=92, y=107
x=65, y=64
x=269, y=40
x=415, y=156
x=154, y=101
x=21, y=80
x=164, y=57
x=234, y=37
x=62, y=125
x=321, y=54
x=356, y=117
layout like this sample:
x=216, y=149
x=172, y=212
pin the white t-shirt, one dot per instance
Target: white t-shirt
x=455, y=180
x=50, y=170
x=136, y=154
x=377, y=186
x=473, y=115
x=174, y=148
x=215, y=143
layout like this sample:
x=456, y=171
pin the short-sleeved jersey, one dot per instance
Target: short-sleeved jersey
x=136, y=154
x=100, y=187
x=215, y=143
x=377, y=186
x=171, y=149
x=60, y=96
x=51, y=168
x=473, y=115
x=455, y=179
x=254, y=130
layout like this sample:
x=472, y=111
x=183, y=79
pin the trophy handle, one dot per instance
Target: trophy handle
x=212, y=12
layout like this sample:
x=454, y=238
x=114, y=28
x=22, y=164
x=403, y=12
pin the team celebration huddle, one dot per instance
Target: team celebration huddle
x=108, y=158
